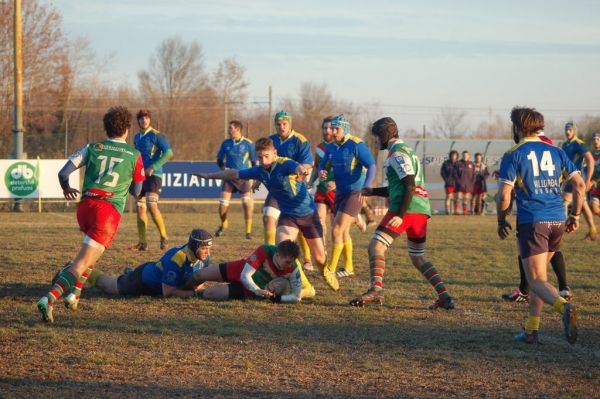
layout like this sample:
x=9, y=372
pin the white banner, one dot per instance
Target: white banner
x=33, y=178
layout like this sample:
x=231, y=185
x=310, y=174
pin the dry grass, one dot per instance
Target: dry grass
x=153, y=348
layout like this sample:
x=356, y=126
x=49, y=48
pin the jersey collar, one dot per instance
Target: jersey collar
x=117, y=140
x=292, y=133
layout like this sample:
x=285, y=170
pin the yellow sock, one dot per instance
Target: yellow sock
x=559, y=305
x=348, y=264
x=336, y=252
x=225, y=224
x=532, y=324
x=249, y=226
x=304, y=246
x=142, y=223
x=593, y=230
x=270, y=237
x=160, y=224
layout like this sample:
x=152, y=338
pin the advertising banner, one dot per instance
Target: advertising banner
x=33, y=178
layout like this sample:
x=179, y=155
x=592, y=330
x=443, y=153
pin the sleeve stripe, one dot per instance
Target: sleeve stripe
x=507, y=182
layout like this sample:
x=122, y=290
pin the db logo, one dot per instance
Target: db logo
x=22, y=171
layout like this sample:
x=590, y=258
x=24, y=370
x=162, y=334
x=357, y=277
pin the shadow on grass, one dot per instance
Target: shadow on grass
x=28, y=387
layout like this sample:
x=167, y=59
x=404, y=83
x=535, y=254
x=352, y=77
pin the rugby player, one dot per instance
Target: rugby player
x=595, y=193
x=409, y=211
x=111, y=166
x=448, y=173
x=465, y=179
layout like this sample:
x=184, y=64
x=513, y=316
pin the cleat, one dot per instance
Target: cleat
x=140, y=246
x=368, y=298
x=71, y=302
x=591, y=235
x=45, y=310
x=360, y=223
x=308, y=266
x=516, y=296
x=164, y=243
x=248, y=236
x=533, y=338
x=331, y=279
x=65, y=267
x=344, y=273
x=566, y=293
x=444, y=303
x=570, y=323
x=219, y=231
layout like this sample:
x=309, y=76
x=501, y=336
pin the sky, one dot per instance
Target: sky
x=410, y=57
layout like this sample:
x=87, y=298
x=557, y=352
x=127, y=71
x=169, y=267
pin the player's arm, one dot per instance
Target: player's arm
x=221, y=156
x=170, y=291
x=248, y=282
x=503, y=207
x=366, y=158
x=76, y=161
x=138, y=178
x=296, y=284
x=228, y=174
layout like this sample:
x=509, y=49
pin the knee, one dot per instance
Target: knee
x=418, y=260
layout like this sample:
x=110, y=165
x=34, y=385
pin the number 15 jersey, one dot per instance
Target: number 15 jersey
x=537, y=171
x=110, y=167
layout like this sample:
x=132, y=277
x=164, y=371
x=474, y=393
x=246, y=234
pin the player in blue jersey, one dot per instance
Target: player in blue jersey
x=579, y=153
x=166, y=277
x=347, y=156
x=156, y=151
x=536, y=170
x=280, y=176
x=236, y=152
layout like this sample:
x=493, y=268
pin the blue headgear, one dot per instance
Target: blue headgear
x=199, y=238
x=282, y=116
x=341, y=121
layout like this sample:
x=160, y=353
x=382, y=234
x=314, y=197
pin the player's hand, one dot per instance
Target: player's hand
x=504, y=228
x=323, y=175
x=149, y=171
x=264, y=294
x=71, y=194
x=255, y=185
x=331, y=185
x=572, y=223
x=395, y=221
x=275, y=298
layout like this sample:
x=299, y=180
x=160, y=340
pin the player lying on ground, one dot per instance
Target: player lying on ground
x=271, y=272
x=409, y=211
x=167, y=276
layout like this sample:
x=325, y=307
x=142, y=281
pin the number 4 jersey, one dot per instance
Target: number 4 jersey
x=110, y=167
x=537, y=171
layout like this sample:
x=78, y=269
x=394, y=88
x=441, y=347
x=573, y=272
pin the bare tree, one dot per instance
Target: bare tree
x=450, y=123
x=499, y=128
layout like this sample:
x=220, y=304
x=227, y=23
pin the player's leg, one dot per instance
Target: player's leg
x=307, y=264
x=271, y=214
x=322, y=211
x=448, y=202
x=248, y=205
x=459, y=197
x=157, y=218
x=310, y=227
x=108, y=284
x=369, y=213
x=224, y=207
x=346, y=207
x=466, y=203
x=142, y=223
x=560, y=269
x=348, y=269
x=220, y=292
x=589, y=219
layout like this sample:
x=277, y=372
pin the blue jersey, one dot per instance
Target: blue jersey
x=237, y=154
x=295, y=147
x=281, y=181
x=538, y=169
x=576, y=149
x=348, y=160
x=152, y=144
x=173, y=269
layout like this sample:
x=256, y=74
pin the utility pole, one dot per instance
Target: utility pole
x=270, y=110
x=18, y=94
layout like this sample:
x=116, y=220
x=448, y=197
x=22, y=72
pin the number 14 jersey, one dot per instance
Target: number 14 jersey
x=537, y=171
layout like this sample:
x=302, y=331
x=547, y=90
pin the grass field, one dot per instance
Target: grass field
x=154, y=348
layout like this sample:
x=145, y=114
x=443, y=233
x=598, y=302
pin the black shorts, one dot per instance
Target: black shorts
x=347, y=203
x=309, y=225
x=539, y=237
x=271, y=202
x=236, y=289
x=241, y=186
x=152, y=184
x=132, y=284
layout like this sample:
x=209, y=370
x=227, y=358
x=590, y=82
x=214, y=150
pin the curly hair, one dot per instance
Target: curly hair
x=117, y=121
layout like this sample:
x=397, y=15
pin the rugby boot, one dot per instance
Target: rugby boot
x=368, y=298
x=45, y=310
x=444, y=303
